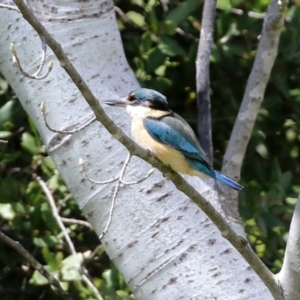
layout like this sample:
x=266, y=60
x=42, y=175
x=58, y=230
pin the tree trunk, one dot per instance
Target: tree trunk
x=162, y=243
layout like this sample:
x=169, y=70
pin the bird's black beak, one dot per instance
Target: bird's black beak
x=121, y=102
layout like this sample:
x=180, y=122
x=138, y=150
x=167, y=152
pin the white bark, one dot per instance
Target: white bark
x=289, y=276
x=162, y=243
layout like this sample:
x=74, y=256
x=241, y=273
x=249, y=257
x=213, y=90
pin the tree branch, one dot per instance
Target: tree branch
x=253, y=96
x=182, y=185
x=77, y=222
x=35, y=264
x=255, y=89
x=9, y=7
x=59, y=221
x=203, y=75
x=289, y=276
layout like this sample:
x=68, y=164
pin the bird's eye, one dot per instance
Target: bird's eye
x=131, y=98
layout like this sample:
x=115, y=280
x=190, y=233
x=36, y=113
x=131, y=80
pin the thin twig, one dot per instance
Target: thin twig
x=10, y=7
x=110, y=214
x=35, y=264
x=118, y=177
x=164, y=4
x=81, y=127
x=186, y=34
x=120, y=180
x=61, y=225
x=43, y=59
x=203, y=77
x=251, y=14
x=35, y=75
x=254, y=14
x=94, y=253
x=77, y=222
x=116, y=190
x=182, y=185
x=82, y=165
x=151, y=171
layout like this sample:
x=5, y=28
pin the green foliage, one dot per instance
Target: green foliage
x=26, y=216
x=163, y=51
x=161, y=46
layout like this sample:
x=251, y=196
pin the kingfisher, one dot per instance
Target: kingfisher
x=168, y=136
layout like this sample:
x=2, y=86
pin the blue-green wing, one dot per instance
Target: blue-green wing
x=175, y=132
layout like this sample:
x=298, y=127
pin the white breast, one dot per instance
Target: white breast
x=168, y=155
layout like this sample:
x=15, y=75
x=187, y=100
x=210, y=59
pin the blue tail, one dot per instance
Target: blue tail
x=227, y=181
x=206, y=169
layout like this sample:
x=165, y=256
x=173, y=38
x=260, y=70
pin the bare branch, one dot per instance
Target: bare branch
x=82, y=165
x=151, y=171
x=43, y=110
x=94, y=253
x=182, y=185
x=164, y=4
x=203, y=75
x=35, y=264
x=116, y=190
x=110, y=214
x=254, y=14
x=120, y=180
x=254, y=94
x=51, y=201
x=77, y=222
x=35, y=75
x=118, y=177
x=186, y=34
x=10, y=7
x=117, y=187
x=251, y=14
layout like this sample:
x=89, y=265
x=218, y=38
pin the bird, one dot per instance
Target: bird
x=169, y=137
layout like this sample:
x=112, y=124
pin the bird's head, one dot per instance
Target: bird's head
x=142, y=98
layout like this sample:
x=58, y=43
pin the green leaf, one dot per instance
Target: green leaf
x=161, y=70
x=29, y=143
x=70, y=266
x=107, y=277
x=291, y=201
x=152, y=20
x=6, y=211
x=6, y=111
x=167, y=27
x=18, y=207
x=48, y=217
x=50, y=257
x=5, y=134
x=155, y=59
x=122, y=294
x=223, y=4
x=45, y=241
x=38, y=279
x=170, y=46
x=54, y=182
x=261, y=223
x=70, y=274
x=182, y=11
x=136, y=18
x=146, y=41
x=3, y=86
